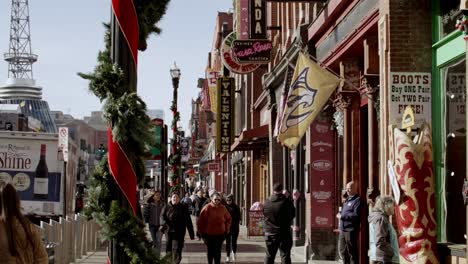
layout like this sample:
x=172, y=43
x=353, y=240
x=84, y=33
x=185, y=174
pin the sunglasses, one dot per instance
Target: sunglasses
x=217, y=199
x=228, y=200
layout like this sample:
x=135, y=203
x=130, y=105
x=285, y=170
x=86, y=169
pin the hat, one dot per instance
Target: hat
x=212, y=192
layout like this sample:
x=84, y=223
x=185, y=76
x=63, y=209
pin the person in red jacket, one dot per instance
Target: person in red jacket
x=213, y=225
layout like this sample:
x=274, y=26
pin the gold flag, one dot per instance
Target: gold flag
x=310, y=89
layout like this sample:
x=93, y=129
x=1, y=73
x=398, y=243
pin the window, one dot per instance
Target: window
x=449, y=13
x=455, y=152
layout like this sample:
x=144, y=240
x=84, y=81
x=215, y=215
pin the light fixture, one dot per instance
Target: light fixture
x=175, y=71
x=450, y=95
x=450, y=135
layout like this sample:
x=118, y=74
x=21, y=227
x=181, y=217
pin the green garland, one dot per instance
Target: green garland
x=126, y=113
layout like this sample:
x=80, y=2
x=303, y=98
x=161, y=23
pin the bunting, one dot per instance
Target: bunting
x=311, y=87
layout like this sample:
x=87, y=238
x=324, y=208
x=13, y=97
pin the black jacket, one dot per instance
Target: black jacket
x=198, y=205
x=278, y=211
x=152, y=213
x=176, y=219
x=235, y=213
x=351, y=214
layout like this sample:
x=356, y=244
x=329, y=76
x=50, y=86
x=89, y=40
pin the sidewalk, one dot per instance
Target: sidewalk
x=250, y=250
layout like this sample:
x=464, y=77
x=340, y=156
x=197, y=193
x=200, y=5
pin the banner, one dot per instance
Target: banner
x=184, y=148
x=311, y=87
x=284, y=97
x=225, y=114
x=212, y=79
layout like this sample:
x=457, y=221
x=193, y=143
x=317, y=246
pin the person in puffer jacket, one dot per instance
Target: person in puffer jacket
x=152, y=214
x=383, y=239
x=214, y=225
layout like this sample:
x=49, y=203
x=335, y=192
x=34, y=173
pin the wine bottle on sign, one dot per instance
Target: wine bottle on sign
x=41, y=179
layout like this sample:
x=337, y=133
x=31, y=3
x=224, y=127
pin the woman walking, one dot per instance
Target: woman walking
x=383, y=237
x=175, y=218
x=214, y=224
x=20, y=242
x=152, y=214
x=231, y=238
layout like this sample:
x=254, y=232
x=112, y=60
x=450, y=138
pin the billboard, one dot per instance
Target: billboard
x=31, y=165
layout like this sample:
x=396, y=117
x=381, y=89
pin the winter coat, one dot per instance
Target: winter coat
x=198, y=205
x=235, y=213
x=351, y=214
x=176, y=220
x=214, y=220
x=33, y=252
x=152, y=213
x=279, y=212
x=383, y=240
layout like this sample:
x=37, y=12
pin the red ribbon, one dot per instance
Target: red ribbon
x=122, y=170
x=126, y=16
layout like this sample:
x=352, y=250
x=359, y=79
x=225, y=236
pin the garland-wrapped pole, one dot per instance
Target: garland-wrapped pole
x=124, y=53
x=175, y=151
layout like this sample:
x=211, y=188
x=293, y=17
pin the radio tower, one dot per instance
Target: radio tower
x=20, y=87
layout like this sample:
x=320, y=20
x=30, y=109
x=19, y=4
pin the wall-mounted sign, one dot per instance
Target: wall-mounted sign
x=213, y=166
x=212, y=79
x=410, y=88
x=158, y=134
x=230, y=61
x=257, y=19
x=225, y=114
x=242, y=13
x=252, y=50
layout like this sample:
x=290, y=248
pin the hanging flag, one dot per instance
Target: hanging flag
x=212, y=76
x=311, y=87
x=284, y=97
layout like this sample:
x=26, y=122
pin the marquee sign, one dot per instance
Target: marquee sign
x=230, y=61
x=225, y=114
x=252, y=50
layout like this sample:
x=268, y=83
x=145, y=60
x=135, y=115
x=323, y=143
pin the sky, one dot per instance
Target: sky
x=67, y=35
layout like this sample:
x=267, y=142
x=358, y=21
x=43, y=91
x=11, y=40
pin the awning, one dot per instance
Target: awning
x=190, y=172
x=256, y=138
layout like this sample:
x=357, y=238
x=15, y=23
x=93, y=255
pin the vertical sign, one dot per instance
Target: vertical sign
x=410, y=88
x=184, y=149
x=242, y=19
x=63, y=142
x=158, y=131
x=322, y=175
x=257, y=19
x=225, y=114
x=212, y=78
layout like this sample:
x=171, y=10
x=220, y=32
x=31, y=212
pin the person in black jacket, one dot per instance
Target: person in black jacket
x=278, y=213
x=152, y=214
x=198, y=203
x=231, y=238
x=350, y=220
x=175, y=219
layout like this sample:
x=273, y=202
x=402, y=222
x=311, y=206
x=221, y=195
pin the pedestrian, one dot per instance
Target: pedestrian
x=175, y=220
x=152, y=214
x=197, y=207
x=214, y=224
x=20, y=242
x=278, y=213
x=350, y=219
x=231, y=238
x=187, y=201
x=383, y=238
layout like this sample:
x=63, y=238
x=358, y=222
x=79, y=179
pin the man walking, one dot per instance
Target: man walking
x=278, y=213
x=349, y=225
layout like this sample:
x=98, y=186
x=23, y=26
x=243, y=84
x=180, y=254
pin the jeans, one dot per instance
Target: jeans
x=214, y=245
x=348, y=247
x=156, y=236
x=231, y=241
x=281, y=242
x=174, y=247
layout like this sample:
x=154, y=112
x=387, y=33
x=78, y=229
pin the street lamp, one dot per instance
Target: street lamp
x=175, y=75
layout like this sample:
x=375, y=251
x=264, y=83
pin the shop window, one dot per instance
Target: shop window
x=455, y=152
x=449, y=13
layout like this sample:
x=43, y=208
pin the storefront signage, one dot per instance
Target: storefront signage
x=410, y=88
x=242, y=13
x=257, y=19
x=322, y=175
x=213, y=166
x=212, y=79
x=230, y=61
x=456, y=92
x=225, y=114
x=158, y=130
x=252, y=50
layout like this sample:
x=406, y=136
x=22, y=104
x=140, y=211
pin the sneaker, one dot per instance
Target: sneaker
x=233, y=258
x=228, y=259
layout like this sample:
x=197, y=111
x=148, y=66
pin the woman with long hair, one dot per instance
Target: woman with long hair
x=20, y=242
x=231, y=238
x=152, y=214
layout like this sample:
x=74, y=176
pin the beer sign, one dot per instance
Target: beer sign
x=225, y=114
